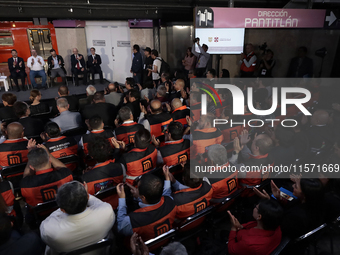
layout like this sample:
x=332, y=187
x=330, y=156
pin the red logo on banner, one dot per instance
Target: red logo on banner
x=216, y=39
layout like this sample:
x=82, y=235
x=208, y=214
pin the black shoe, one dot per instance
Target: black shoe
x=23, y=88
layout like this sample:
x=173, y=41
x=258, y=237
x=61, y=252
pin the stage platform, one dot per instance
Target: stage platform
x=52, y=92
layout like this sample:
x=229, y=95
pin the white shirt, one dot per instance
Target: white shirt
x=80, y=66
x=56, y=62
x=157, y=62
x=64, y=233
x=36, y=66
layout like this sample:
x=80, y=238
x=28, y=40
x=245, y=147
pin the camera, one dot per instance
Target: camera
x=196, y=39
x=263, y=47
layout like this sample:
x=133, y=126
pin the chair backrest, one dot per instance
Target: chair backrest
x=69, y=159
x=42, y=210
x=195, y=220
x=224, y=205
x=74, y=131
x=160, y=240
x=14, y=174
x=105, y=242
x=284, y=241
x=310, y=233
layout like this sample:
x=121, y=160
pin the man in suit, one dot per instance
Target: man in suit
x=67, y=120
x=106, y=111
x=114, y=97
x=33, y=127
x=137, y=65
x=56, y=66
x=36, y=64
x=93, y=63
x=16, y=66
x=78, y=66
x=301, y=66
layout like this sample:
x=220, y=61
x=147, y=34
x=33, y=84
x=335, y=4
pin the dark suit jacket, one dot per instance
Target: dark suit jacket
x=72, y=101
x=106, y=111
x=50, y=65
x=306, y=67
x=135, y=108
x=17, y=67
x=33, y=127
x=74, y=61
x=90, y=61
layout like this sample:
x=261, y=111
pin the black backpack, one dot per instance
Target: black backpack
x=165, y=68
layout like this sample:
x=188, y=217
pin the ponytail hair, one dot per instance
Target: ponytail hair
x=34, y=94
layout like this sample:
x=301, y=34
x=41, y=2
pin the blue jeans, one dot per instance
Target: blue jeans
x=40, y=73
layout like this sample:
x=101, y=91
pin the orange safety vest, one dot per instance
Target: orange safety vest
x=205, y=137
x=251, y=68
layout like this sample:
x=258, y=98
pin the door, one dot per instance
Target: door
x=40, y=40
x=104, y=36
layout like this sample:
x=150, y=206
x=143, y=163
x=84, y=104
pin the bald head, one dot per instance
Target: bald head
x=320, y=117
x=112, y=87
x=179, y=84
x=15, y=130
x=176, y=103
x=262, y=144
x=156, y=106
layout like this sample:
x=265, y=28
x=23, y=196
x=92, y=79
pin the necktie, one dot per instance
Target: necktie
x=15, y=61
x=78, y=67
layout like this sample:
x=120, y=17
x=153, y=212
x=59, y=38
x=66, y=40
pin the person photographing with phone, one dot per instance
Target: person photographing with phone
x=203, y=57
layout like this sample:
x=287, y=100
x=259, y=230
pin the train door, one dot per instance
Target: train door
x=111, y=39
x=40, y=40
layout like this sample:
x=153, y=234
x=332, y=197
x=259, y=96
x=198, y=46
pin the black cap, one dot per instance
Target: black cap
x=147, y=49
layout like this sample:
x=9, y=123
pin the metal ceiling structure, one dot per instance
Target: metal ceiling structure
x=166, y=10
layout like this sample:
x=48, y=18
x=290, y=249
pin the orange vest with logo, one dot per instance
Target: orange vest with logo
x=251, y=68
x=175, y=152
x=205, y=137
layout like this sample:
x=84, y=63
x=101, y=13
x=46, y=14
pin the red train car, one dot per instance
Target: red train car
x=23, y=36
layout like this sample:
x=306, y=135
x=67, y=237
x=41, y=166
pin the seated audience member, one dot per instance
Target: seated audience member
x=16, y=66
x=304, y=213
x=178, y=88
x=14, y=243
x=165, y=80
x=283, y=152
x=80, y=221
x=192, y=74
x=180, y=112
x=36, y=106
x=43, y=175
x=56, y=66
x=260, y=237
x=156, y=122
x=192, y=193
x=161, y=94
x=195, y=105
x=320, y=135
x=126, y=131
x=175, y=150
x=205, y=134
x=90, y=91
x=67, y=120
x=106, y=173
x=140, y=159
x=78, y=66
x=93, y=63
x=227, y=183
x=133, y=104
x=157, y=208
x=96, y=129
x=113, y=97
x=149, y=91
x=106, y=111
x=14, y=149
x=7, y=198
x=63, y=92
x=229, y=132
x=59, y=146
x=7, y=112
x=32, y=126
x=36, y=65
x=258, y=155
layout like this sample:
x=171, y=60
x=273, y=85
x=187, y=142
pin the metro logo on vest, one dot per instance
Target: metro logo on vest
x=200, y=205
x=162, y=228
x=183, y=158
x=147, y=165
x=232, y=184
x=14, y=159
x=49, y=193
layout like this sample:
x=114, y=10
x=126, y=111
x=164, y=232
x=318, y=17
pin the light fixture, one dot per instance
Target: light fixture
x=13, y=25
x=20, y=10
x=70, y=9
